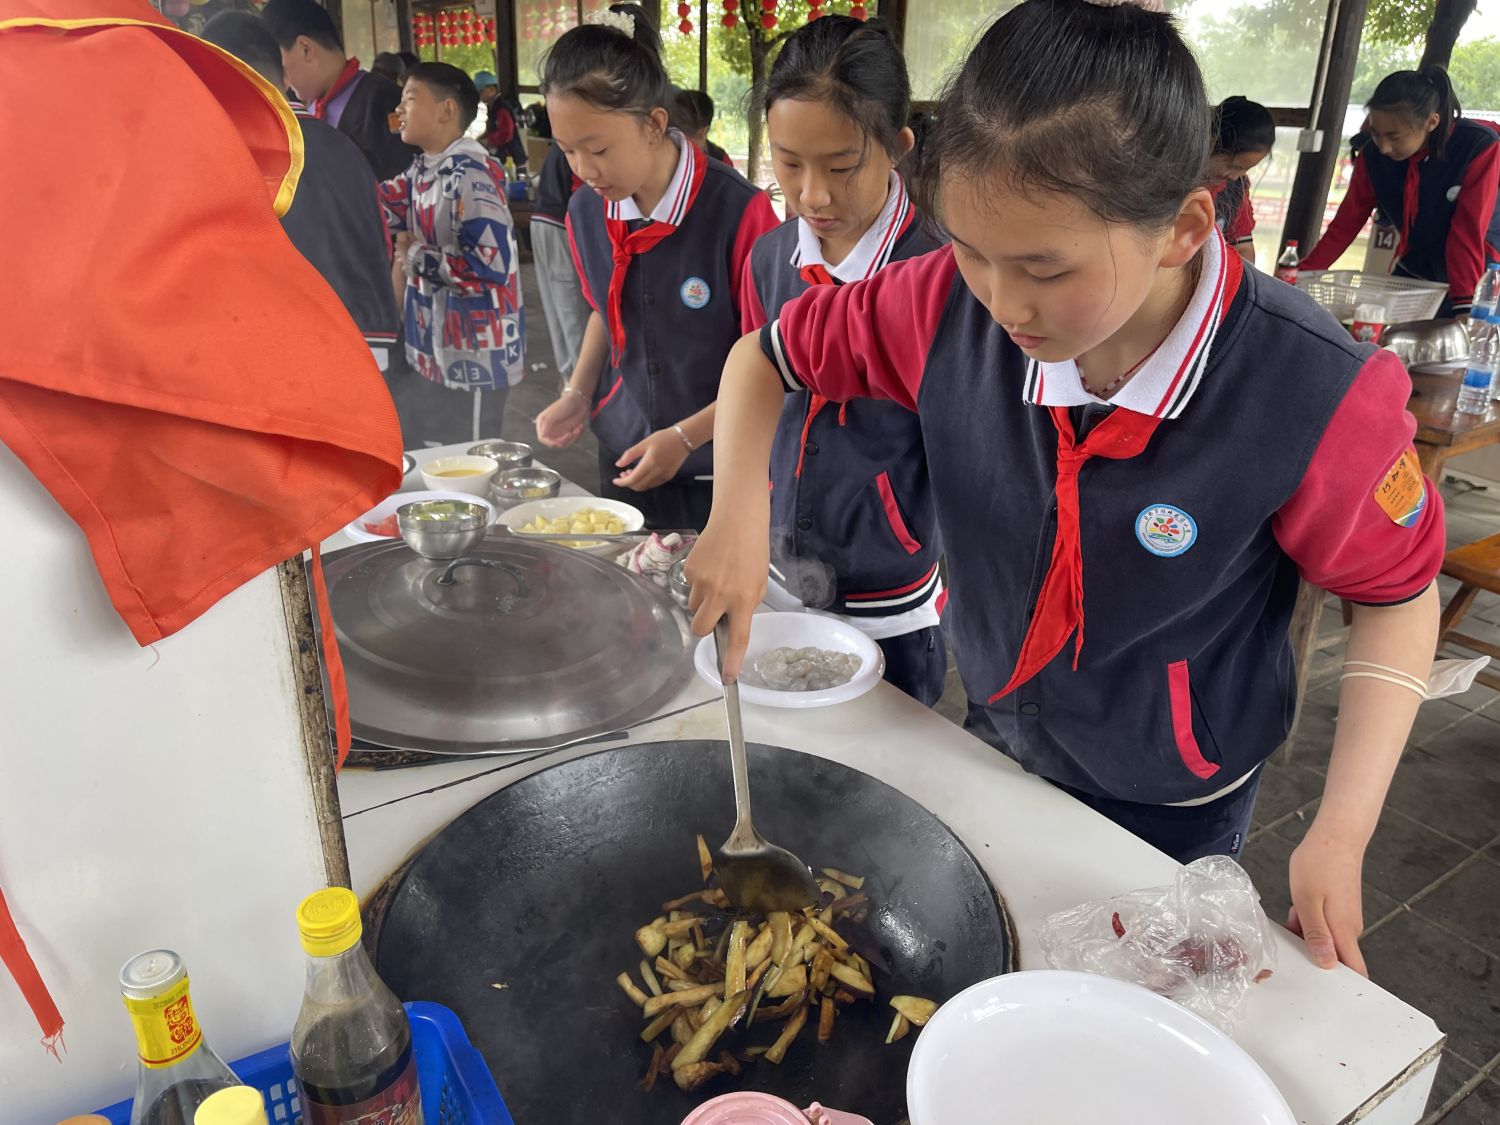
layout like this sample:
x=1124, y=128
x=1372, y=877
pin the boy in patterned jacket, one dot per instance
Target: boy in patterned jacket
x=462, y=311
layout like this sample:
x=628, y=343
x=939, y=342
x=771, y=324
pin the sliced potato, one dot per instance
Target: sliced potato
x=658, y=1025
x=693, y=1075
x=851, y=978
x=628, y=987
x=899, y=1027
x=788, y=1033
x=705, y=858
x=759, y=949
x=781, y=936
x=792, y=979
x=706, y=1036
x=734, y=966
x=857, y=882
x=650, y=978
x=651, y=939
x=828, y=934
x=826, y=1012
x=687, y=998
x=915, y=1008
x=822, y=965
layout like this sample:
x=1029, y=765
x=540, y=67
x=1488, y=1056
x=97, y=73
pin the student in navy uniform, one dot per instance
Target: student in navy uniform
x=358, y=103
x=563, y=302
x=660, y=241
x=1433, y=173
x=335, y=219
x=852, y=520
x=1244, y=132
x=1138, y=447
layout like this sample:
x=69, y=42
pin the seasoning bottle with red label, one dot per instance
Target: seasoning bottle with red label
x=179, y=1071
x=351, y=1047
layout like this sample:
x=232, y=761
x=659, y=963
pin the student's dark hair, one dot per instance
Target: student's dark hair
x=692, y=110
x=445, y=82
x=609, y=69
x=1241, y=126
x=1415, y=94
x=408, y=60
x=390, y=64
x=1103, y=104
x=288, y=19
x=249, y=40
x=852, y=65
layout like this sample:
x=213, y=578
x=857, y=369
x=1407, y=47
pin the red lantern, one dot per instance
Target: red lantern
x=730, y=19
x=686, y=27
x=684, y=11
x=768, y=22
x=768, y=5
x=858, y=12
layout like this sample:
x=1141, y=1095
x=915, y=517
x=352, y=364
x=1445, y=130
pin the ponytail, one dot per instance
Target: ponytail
x=613, y=63
x=1416, y=95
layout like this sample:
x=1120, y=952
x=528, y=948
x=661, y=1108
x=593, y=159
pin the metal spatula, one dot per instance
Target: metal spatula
x=757, y=876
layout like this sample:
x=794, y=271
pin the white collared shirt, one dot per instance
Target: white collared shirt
x=1166, y=381
x=871, y=252
x=672, y=206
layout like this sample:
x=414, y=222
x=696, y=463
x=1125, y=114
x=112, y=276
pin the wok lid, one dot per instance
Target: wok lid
x=516, y=646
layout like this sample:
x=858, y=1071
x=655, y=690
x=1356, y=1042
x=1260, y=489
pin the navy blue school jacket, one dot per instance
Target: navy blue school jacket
x=850, y=499
x=681, y=307
x=1283, y=450
x=1443, y=206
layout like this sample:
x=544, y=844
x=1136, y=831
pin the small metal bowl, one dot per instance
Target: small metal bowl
x=518, y=486
x=408, y=463
x=506, y=454
x=442, y=529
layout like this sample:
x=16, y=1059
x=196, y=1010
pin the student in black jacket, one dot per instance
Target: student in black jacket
x=335, y=220
x=334, y=88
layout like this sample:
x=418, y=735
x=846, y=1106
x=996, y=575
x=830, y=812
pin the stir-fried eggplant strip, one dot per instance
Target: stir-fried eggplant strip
x=707, y=970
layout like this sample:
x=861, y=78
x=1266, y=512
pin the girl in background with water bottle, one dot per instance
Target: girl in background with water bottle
x=1434, y=174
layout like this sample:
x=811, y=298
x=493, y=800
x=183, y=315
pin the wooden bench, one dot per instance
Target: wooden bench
x=1477, y=567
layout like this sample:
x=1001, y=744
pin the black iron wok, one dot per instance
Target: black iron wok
x=541, y=886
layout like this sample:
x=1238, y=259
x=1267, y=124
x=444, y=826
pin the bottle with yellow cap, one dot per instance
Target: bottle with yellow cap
x=351, y=1048
x=239, y=1105
x=179, y=1070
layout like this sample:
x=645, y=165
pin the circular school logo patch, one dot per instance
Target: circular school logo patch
x=1165, y=531
x=695, y=292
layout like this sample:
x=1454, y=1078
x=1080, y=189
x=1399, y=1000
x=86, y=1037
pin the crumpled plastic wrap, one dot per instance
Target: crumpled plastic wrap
x=653, y=558
x=1202, y=941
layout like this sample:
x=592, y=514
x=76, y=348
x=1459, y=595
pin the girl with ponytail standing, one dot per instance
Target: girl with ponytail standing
x=1433, y=174
x=660, y=237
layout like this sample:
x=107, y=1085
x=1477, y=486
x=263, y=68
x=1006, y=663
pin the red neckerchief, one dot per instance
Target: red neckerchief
x=1059, y=608
x=346, y=77
x=1410, y=197
x=625, y=244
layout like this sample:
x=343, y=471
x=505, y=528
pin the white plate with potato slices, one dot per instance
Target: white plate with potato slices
x=573, y=515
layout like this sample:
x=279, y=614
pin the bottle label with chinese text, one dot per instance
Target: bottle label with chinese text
x=166, y=1029
x=399, y=1103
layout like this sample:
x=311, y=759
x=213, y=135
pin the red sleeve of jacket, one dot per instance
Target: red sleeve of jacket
x=752, y=310
x=1242, y=226
x=1471, y=220
x=757, y=218
x=867, y=339
x=502, y=127
x=1364, y=523
x=1348, y=220
x=583, y=278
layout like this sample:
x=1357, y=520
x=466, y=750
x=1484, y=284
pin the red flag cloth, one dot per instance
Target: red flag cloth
x=180, y=379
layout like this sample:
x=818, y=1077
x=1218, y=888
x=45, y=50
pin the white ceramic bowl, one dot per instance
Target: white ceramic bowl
x=479, y=472
x=555, y=506
x=355, y=530
x=797, y=630
x=1057, y=1048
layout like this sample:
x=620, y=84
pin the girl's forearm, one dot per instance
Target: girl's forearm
x=1375, y=716
x=593, y=355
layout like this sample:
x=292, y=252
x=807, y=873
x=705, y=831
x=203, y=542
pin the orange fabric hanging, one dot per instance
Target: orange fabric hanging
x=180, y=379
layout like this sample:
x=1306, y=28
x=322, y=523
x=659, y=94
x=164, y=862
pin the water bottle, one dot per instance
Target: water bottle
x=1479, y=374
x=1487, y=292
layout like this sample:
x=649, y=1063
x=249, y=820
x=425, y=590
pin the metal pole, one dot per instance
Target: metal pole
x=703, y=45
x=1304, y=213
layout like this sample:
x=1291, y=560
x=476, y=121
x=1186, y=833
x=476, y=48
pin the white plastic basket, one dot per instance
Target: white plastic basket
x=1343, y=291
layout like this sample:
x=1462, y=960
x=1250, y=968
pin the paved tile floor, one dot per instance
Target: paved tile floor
x=1432, y=874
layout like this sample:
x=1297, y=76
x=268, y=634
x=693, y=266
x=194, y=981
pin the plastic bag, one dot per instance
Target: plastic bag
x=1201, y=942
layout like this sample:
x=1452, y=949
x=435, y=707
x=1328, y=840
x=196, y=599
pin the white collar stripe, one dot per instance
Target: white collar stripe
x=1167, y=380
x=673, y=205
x=873, y=250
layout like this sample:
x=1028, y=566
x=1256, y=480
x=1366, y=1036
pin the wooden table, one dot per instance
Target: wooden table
x=1441, y=431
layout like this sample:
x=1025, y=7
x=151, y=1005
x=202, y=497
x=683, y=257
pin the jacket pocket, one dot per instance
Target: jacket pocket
x=1180, y=694
x=893, y=515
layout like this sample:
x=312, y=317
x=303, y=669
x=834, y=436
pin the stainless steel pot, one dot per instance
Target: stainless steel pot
x=1426, y=341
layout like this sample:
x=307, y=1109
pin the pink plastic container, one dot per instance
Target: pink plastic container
x=746, y=1108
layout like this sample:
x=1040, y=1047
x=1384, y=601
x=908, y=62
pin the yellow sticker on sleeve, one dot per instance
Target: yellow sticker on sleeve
x=1402, y=491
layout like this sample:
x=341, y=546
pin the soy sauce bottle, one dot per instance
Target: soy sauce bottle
x=351, y=1047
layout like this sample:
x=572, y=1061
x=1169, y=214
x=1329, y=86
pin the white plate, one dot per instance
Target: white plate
x=550, y=509
x=798, y=630
x=387, y=507
x=1057, y=1048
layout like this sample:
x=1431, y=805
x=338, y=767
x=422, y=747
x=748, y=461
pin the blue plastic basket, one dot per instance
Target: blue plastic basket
x=457, y=1088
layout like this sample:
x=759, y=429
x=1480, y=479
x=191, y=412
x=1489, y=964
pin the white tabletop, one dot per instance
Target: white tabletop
x=1337, y=1045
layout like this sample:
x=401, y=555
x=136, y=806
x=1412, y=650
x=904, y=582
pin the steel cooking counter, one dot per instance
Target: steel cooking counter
x=1340, y=1048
